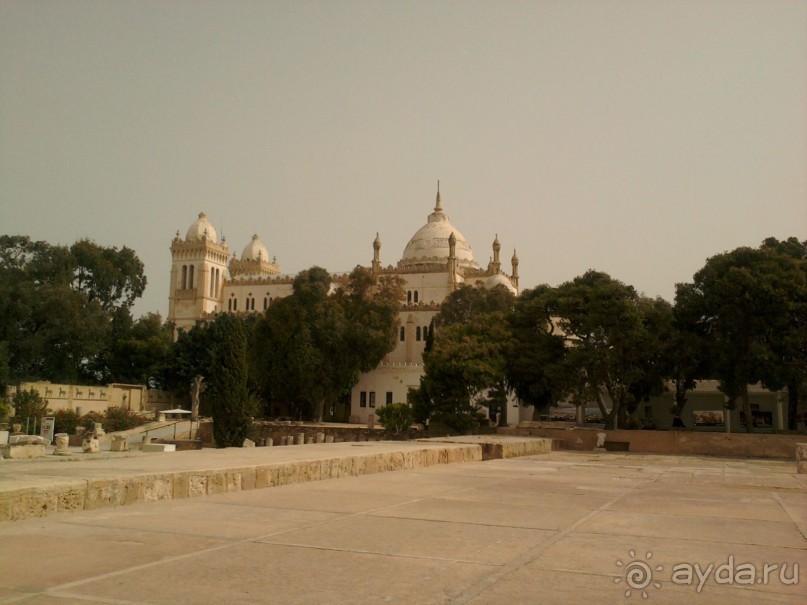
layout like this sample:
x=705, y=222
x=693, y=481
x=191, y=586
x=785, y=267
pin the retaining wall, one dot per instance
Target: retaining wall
x=673, y=442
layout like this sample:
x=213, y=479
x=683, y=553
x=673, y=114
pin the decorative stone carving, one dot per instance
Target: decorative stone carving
x=98, y=429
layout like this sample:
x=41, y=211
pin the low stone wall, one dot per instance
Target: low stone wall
x=124, y=488
x=261, y=431
x=497, y=447
x=673, y=442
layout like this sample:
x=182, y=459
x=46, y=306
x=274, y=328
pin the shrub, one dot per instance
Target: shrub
x=29, y=404
x=121, y=419
x=396, y=417
x=66, y=421
x=89, y=418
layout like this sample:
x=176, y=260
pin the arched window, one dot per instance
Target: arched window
x=184, y=277
x=212, y=280
x=417, y=333
x=235, y=304
x=217, y=282
x=416, y=295
x=265, y=303
x=408, y=296
x=403, y=333
x=230, y=305
x=190, y=278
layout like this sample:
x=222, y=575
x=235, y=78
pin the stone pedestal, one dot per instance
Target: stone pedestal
x=320, y=437
x=300, y=439
x=248, y=443
x=119, y=443
x=328, y=438
x=309, y=439
x=801, y=458
x=269, y=442
x=62, y=444
x=98, y=429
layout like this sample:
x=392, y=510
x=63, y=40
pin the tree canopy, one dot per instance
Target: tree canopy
x=750, y=305
x=311, y=347
x=58, y=306
x=466, y=361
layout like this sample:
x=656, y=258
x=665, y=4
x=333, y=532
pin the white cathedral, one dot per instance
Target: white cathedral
x=206, y=280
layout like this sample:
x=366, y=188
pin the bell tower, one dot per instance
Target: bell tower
x=198, y=272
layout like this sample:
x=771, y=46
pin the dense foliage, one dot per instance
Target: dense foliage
x=64, y=309
x=310, y=348
x=65, y=316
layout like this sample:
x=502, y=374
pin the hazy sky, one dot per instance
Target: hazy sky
x=634, y=137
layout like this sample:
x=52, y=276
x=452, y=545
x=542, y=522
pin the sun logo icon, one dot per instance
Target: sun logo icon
x=638, y=574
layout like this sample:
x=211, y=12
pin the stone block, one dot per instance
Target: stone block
x=157, y=487
x=22, y=451
x=159, y=447
x=248, y=443
x=27, y=440
x=801, y=458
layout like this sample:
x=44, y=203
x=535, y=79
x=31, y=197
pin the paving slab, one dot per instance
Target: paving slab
x=443, y=534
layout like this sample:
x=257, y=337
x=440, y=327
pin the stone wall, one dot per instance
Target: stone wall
x=673, y=442
x=261, y=431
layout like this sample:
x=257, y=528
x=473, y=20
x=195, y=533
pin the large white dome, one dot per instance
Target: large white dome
x=200, y=229
x=429, y=244
x=255, y=250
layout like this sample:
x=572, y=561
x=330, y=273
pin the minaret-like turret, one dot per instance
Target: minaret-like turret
x=514, y=277
x=376, y=254
x=496, y=265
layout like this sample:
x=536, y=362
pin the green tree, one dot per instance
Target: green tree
x=227, y=383
x=750, y=305
x=537, y=354
x=29, y=405
x=138, y=350
x=466, y=361
x=57, y=305
x=114, y=278
x=612, y=351
x=310, y=348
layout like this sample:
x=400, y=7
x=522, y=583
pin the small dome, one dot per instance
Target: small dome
x=430, y=243
x=201, y=229
x=500, y=280
x=255, y=250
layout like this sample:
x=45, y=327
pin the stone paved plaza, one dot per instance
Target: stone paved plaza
x=556, y=528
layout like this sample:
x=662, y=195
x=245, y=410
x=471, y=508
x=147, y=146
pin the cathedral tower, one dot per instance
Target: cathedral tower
x=198, y=271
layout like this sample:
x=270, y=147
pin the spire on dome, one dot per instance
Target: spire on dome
x=438, y=207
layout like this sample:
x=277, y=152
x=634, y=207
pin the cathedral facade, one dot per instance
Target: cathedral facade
x=206, y=280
